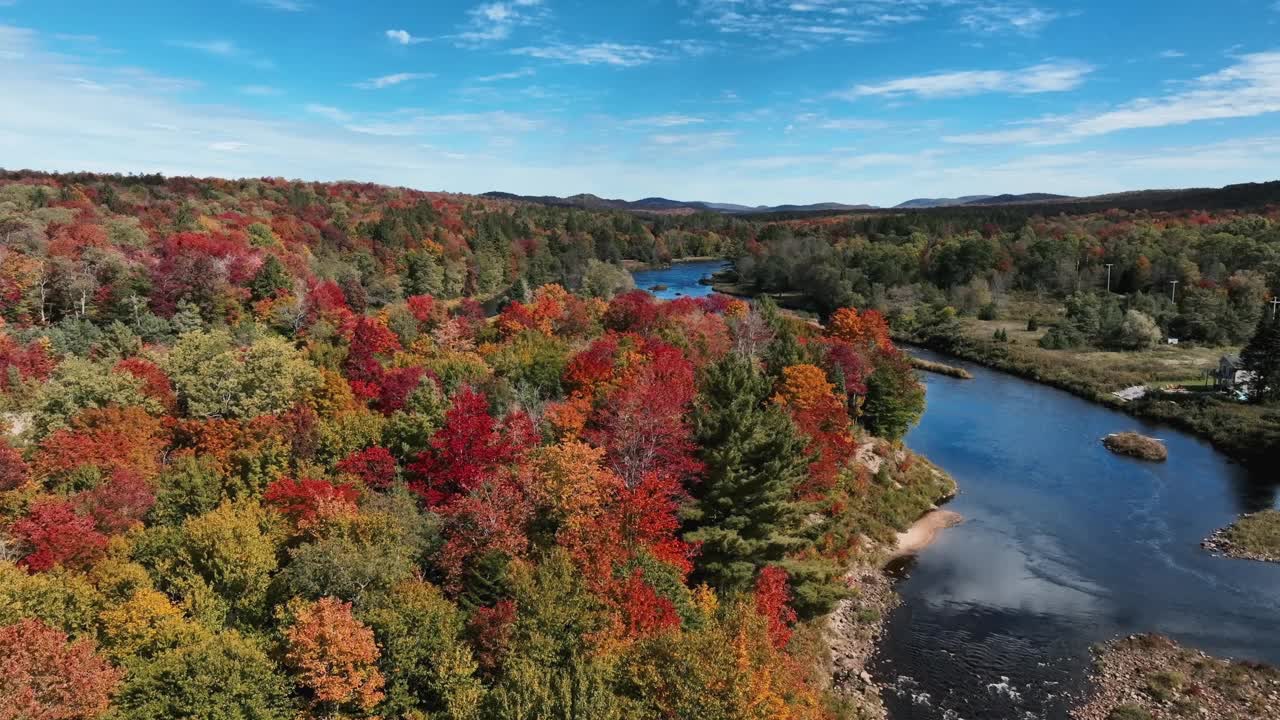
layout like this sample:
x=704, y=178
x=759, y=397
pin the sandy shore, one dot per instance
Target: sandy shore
x=925, y=530
x=857, y=625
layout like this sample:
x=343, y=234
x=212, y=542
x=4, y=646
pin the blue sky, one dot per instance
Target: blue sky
x=751, y=101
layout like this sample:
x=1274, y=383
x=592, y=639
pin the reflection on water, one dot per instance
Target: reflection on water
x=1064, y=545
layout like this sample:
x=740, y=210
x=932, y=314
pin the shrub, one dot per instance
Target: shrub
x=1129, y=712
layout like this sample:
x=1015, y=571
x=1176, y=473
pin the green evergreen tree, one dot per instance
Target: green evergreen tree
x=895, y=398
x=270, y=278
x=745, y=514
x=1262, y=357
x=784, y=350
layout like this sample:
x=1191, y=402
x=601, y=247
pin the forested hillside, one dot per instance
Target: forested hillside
x=1225, y=263
x=265, y=454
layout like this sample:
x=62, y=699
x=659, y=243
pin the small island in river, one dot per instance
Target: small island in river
x=1252, y=537
x=941, y=368
x=1135, y=445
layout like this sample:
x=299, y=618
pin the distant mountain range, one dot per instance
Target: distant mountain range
x=664, y=205
x=983, y=200
x=1231, y=196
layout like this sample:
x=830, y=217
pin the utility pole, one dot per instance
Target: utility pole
x=1109, y=276
x=1274, y=303
x=1173, y=293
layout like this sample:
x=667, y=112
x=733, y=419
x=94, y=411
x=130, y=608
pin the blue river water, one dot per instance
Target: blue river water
x=1064, y=545
x=680, y=279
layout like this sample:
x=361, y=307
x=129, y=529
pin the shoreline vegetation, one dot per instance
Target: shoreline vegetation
x=940, y=368
x=1249, y=434
x=1149, y=677
x=640, y=265
x=1137, y=446
x=1251, y=537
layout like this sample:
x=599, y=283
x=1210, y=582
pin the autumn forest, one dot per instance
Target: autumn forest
x=280, y=449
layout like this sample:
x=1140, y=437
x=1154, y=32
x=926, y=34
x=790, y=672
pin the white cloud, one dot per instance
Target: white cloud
x=328, y=111
x=1003, y=18
x=688, y=142
x=387, y=81
x=664, y=121
x=1042, y=78
x=1013, y=136
x=513, y=75
x=843, y=161
x=404, y=37
x=842, y=124
x=604, y=53
x=791, y=25
x=1248, y=88
x=222, y=48
x=494, y=21
x=260, y=90
x=282, y=5
x=226, y=49
x=411, y=123
x=1172, y=54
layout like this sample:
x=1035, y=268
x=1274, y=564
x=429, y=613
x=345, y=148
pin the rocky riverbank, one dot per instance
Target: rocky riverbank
x=1148, y=677
x=1252, y=537
x=855, y=628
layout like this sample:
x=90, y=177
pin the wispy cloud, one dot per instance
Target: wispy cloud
x=1172, y=54
x=260, y=90
x=665, y=121
x=513, y=75
x=226, y=49
x=387, y=81
x=404, y=37
x=1248, y=88
x=806, y=24
x=329, y=112
x=603, y=53
x=229, y=146
x=282, y=5
x=408, y=123
x=494, y=21
x=1042, y=78
x=688, y=142
x=1004, y=18
x=847, y=124
x=843, y=161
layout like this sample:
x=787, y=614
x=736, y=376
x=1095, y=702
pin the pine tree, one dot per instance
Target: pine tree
x=784, y=350
x=1262, y=357
x=270, y=278
x=745, y=514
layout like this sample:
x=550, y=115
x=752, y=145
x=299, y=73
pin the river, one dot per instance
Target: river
x=1064, y=545
x=679, y=279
